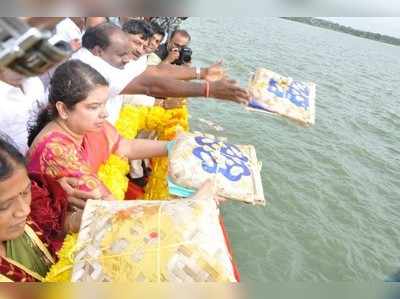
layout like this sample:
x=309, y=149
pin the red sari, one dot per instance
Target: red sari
x=56, y=155
x=49, y=207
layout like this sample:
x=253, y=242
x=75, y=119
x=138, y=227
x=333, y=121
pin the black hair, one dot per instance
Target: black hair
x=10, y=157
x=138, y=27
x=71, y=83
x=157, y=29
x=181, y=32
x=98, y=36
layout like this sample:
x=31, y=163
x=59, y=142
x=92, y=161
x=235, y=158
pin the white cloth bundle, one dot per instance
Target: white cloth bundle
x=152, y=241
x=284, y=96
x=234, y=168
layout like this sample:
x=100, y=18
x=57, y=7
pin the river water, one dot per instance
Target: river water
x=333, y=190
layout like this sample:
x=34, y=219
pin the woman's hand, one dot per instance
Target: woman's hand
x=77, y=198
x=73, y=221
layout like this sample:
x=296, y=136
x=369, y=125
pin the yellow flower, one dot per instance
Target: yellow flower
x=113, y=175
x=62, y=270
x=171, y=122
x=131, y=120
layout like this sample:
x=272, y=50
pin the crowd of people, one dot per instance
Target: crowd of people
x=59, y=128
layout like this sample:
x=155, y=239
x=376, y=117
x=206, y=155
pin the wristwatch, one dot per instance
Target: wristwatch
x=198, y=73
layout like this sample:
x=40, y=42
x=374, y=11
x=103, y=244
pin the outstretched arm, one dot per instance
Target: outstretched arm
x=211, y=73
x=156, y=86
x=138, y=149
x=174, y=71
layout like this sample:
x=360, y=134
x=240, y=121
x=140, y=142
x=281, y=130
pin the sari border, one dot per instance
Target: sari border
x=39, y=243
x=25, y=269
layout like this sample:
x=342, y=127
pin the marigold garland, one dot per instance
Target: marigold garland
x=113, y=173
x=130, y=121
x=62, y=270
x=166, y=123
x=134, y=119
x=157, y=187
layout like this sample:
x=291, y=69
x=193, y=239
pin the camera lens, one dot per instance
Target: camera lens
x=186, y=54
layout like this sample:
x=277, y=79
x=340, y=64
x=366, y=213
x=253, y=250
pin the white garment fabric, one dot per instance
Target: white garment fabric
x=114, y=106
x=68, y=31
x=139, y=99
x=116, y=21
x=117, y=79
x=20, y=106
x=153, y=59
x=137, y=170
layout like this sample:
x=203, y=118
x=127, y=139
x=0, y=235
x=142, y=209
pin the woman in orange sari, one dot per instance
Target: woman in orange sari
x=72, y=138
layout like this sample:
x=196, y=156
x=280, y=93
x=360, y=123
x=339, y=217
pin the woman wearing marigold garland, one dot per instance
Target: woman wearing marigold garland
x=26, y=250
x=71, y=137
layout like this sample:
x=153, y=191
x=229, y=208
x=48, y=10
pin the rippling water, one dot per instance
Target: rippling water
x=333, y=190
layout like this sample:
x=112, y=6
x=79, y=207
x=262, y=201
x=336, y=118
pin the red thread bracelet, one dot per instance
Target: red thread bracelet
x=207, y=89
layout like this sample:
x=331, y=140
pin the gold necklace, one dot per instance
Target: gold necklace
x=78, y=139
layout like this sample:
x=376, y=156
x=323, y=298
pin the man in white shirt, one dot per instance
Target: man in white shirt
x=107, y=49
x=109, y=55
x=70, y=30
x=139, y=33
x=20, y=98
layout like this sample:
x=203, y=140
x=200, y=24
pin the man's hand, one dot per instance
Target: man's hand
x=214, y=72
x=172, y=56
x=229, y=90
x=76, y=197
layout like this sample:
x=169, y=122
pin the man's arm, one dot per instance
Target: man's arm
x=154, y=85
x=157, y=86
x=174, y=71
x=211, y=73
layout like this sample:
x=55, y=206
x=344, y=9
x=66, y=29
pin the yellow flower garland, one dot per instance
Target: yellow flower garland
x=166, y=123
x=157, y=187
x=62, y=270
x=134, y=119
x=113, y=173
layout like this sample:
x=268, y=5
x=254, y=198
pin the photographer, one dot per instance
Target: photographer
x=176, y=51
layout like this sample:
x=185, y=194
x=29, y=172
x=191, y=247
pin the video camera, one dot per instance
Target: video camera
x=185, y=56
x=27, y=50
